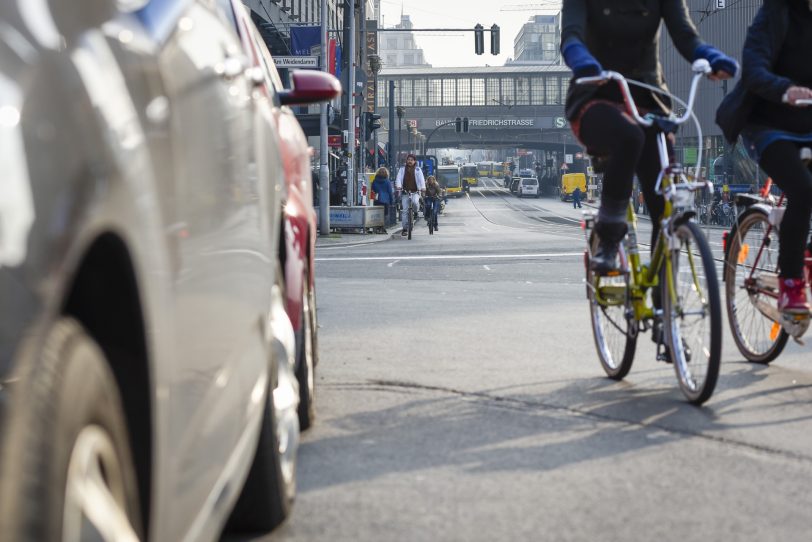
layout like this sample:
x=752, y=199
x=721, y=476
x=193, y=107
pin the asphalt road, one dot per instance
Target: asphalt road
x=460, y=398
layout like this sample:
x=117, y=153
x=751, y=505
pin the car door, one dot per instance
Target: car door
x=222, y=279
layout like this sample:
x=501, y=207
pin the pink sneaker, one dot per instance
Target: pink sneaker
x=792, y=296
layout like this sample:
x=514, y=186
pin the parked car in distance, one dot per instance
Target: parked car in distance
x=147, y=356
x=298, y=243
x=529, y=186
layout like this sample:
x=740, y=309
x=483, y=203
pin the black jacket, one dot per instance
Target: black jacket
x=761, y=48
x=624, y=36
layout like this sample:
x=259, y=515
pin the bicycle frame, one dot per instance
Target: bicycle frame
x=646, y=275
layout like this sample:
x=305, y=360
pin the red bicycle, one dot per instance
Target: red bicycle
x=759, y=329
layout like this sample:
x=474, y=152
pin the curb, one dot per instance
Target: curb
x=361, y=241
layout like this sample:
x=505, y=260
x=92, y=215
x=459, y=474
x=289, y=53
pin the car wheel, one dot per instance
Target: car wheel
x=68, y=471
x=306, y=346
x=268, y=494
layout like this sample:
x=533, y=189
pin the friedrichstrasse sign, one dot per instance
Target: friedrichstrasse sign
x=496, y=123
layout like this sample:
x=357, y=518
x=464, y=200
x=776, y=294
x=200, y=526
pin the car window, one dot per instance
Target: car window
x=528, y=182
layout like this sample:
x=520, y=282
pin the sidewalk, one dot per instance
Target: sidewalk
x=347, y=239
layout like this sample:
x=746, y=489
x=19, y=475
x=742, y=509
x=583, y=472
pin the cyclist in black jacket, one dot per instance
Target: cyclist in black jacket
x=764, y=107
x=623, y=36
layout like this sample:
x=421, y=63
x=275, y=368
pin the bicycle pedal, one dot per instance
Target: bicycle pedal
x=796, y=326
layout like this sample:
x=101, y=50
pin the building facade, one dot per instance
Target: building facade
x=275, y=17
x=400, y=49
x=726, y=30
x=538, y=41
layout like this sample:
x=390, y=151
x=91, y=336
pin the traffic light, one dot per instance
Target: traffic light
x=372, y=122
x=479, y=39
x=465, y=125
x=458, y=124
x=494, y=39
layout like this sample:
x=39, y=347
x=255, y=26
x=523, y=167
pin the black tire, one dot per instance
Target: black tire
x=267, y=496
x=757, y=337
x=693, y=327
x=615, y=337
x=306, y=356
x=67, y=429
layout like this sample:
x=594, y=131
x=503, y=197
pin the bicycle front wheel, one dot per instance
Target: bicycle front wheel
x=610, y=311
x=410, y=223
x=751, y=280
x=692, y=314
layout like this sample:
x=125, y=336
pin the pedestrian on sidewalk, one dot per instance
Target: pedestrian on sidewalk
x=411, y=184
x=383, y=192
x=576, y=198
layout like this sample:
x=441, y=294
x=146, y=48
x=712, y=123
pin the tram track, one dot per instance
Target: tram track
x=562, y=223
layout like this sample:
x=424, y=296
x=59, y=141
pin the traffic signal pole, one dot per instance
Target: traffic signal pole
x=324, y=150
x=350, y=4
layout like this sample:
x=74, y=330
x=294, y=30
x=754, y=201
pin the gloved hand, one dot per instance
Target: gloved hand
x=579, y=59
x=719, y=62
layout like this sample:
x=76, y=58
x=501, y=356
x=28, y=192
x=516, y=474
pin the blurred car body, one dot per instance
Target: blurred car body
x=298, y=244
x=143, y=330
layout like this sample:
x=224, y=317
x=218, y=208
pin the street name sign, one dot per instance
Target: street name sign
x=296, y=61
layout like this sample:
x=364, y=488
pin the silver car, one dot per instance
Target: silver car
x=146, y=389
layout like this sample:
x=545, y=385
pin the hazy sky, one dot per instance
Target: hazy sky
x=457, y=49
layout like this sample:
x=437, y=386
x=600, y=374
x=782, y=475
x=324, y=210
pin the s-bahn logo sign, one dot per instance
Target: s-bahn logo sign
x=493, y=123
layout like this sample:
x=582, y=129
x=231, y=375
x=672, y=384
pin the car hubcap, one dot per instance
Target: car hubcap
x=95, y=495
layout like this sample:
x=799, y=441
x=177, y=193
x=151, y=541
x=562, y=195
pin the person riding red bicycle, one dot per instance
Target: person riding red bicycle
x=767, y=108
x=595, y=36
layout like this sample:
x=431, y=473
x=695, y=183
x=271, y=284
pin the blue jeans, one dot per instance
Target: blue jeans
x=433, y=205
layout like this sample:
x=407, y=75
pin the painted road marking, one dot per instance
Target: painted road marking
x=456, y=257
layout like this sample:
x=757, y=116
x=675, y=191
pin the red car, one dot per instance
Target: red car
x=298, y=215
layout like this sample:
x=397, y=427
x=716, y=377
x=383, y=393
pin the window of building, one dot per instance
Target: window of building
x=537, y=91
x=477, y=92
x=383, y=91
x=420, y=93
x=408, y=59
x=391, y=43
x=406, y=92
x=391, y=60
x=492, y=90
x=449, y=92
x=522, y=91
x=463, y=92
x=508, y=95
x=553, y=90
x=435, y=88
x=565, y=86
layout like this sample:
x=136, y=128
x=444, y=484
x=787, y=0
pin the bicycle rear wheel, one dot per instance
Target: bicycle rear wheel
x=610, y=310
x=751, y=279
x=692, y=315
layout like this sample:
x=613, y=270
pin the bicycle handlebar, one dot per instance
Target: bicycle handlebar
x=700, y=67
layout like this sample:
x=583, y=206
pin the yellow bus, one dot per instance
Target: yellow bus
x=449, y=178
x=470, y=174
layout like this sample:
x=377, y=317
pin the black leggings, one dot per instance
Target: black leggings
x=781, y=160
x=628, y=148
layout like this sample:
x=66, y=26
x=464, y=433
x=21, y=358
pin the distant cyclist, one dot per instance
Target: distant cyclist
x=776, y=73
x=411, y=183
x=434, y=193
x=623, y=36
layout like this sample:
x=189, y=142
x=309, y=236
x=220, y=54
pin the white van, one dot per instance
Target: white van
x=528, y=186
